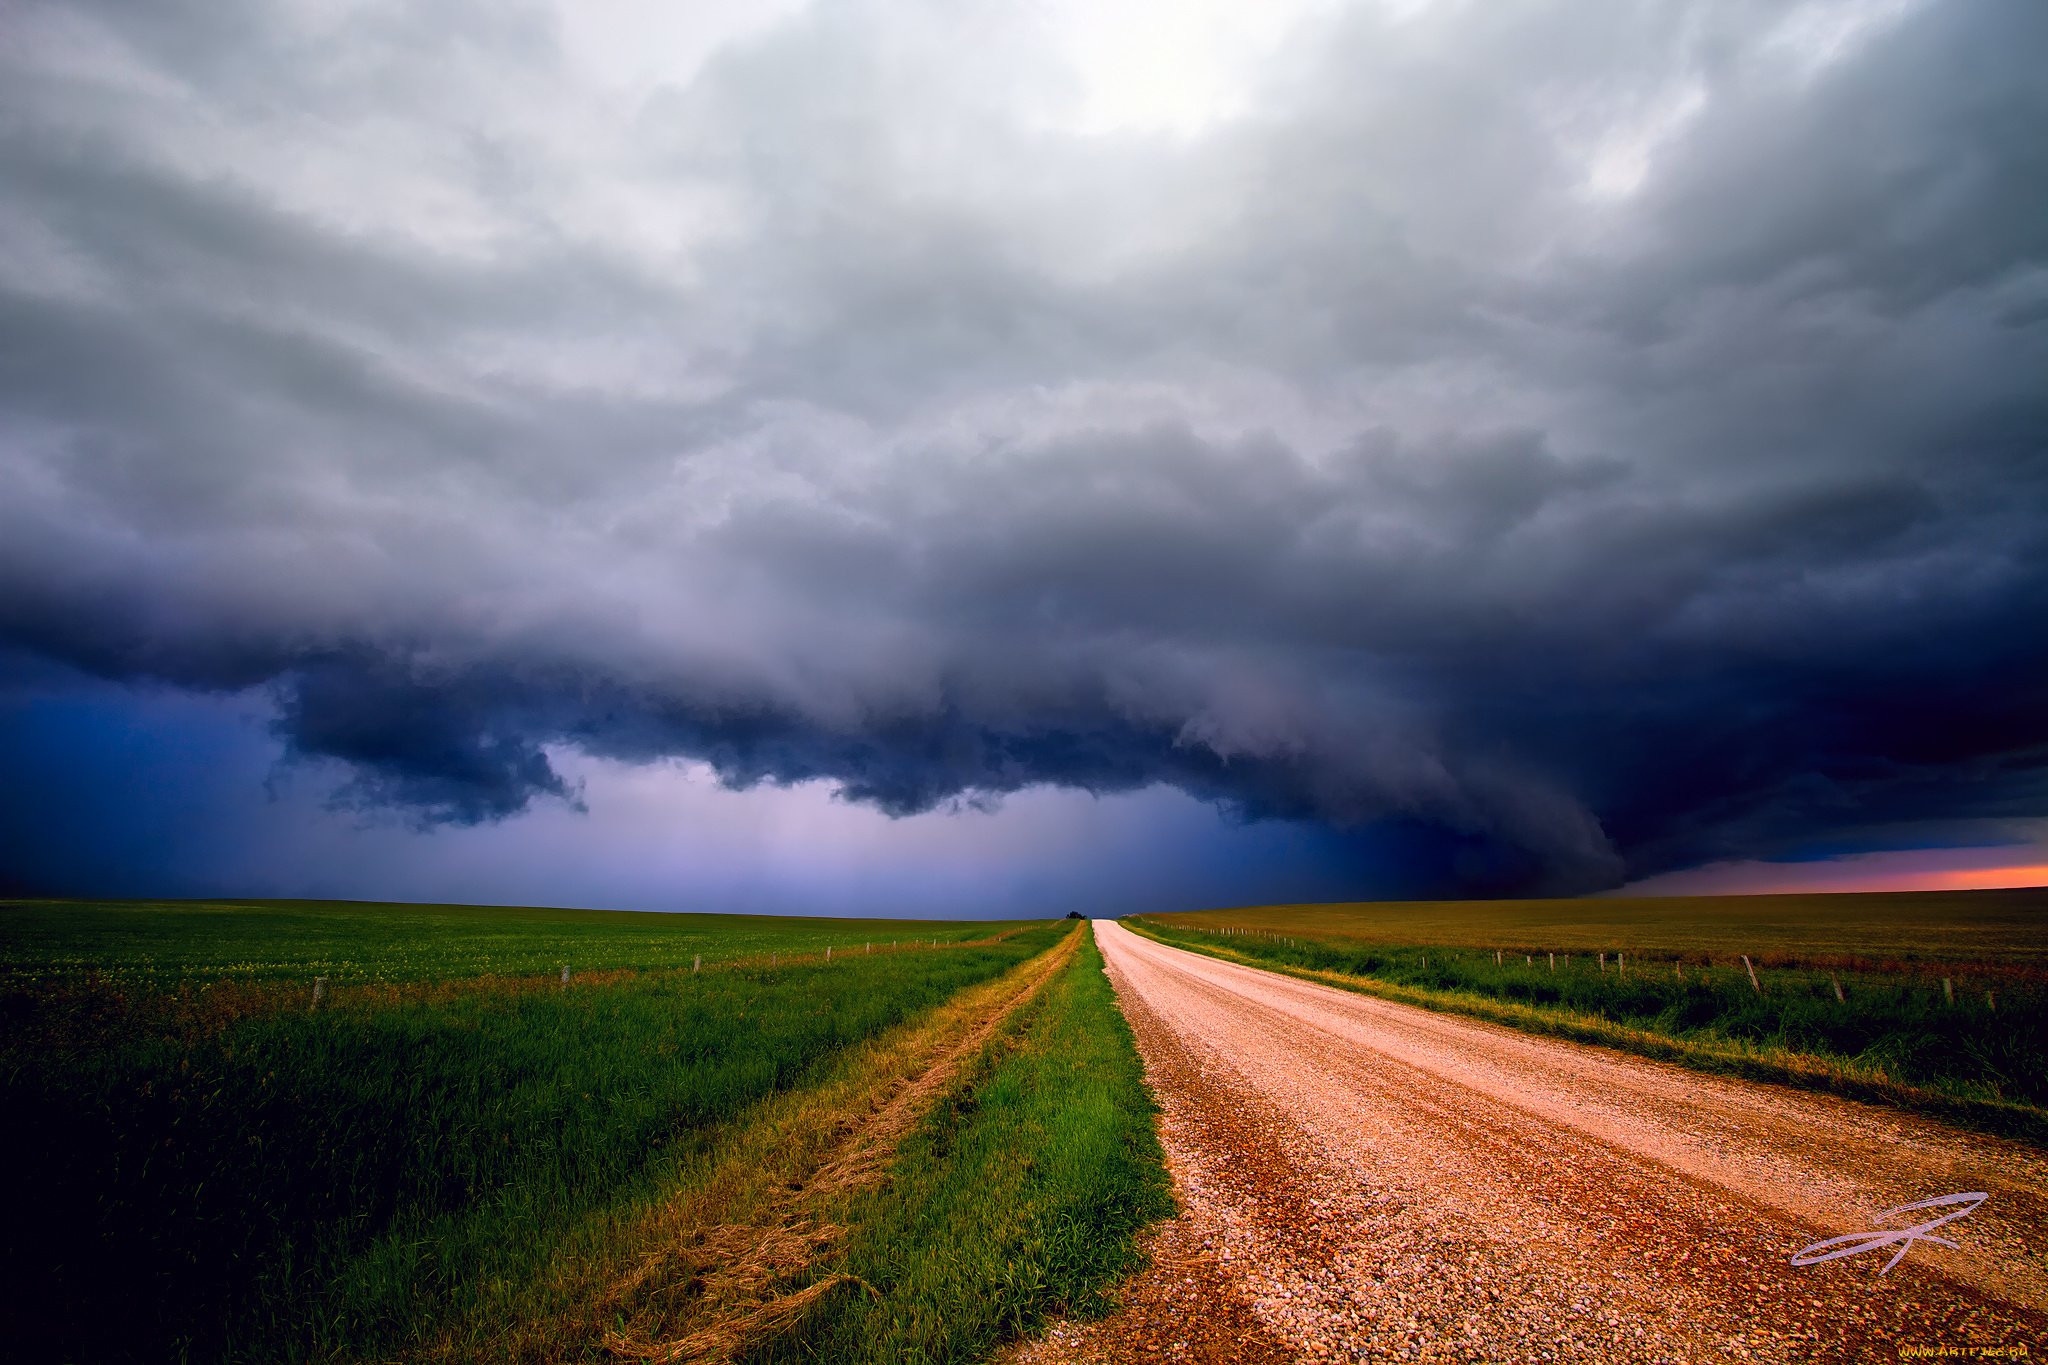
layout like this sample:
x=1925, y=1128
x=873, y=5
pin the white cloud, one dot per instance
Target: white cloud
x=636, y=45
x=1167, y=66
x=1814, y=36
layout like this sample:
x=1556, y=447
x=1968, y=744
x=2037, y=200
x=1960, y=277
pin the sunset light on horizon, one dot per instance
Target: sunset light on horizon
x=1949, y=869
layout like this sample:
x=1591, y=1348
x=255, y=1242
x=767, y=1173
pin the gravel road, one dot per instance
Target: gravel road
x=1367, y=1180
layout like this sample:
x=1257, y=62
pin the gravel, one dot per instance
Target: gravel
x=1362, y=1180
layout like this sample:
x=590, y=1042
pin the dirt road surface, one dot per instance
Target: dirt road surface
x=1366, y=1180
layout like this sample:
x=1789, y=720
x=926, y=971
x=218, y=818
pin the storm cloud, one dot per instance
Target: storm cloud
x=1579, y=439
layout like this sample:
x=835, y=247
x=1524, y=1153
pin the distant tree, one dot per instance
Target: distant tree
x=1075, y=914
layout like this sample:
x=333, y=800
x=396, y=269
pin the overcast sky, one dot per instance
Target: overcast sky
x=977, y=458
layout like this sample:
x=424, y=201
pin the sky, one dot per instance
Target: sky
x=879, y=456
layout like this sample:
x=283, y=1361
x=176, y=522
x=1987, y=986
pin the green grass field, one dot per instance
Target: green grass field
x=356, y=942
x=1936, y=1002
x=222, y=1173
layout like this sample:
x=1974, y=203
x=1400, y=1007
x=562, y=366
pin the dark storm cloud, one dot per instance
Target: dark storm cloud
x=1591, y=439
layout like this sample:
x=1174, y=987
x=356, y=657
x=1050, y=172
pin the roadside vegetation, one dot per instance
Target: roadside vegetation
x=1019, y=1198
x=215, y=1169
x=1963, y=1036
x=1987, y=928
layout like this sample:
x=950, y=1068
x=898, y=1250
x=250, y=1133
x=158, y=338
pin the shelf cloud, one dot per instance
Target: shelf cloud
x=1580, y=440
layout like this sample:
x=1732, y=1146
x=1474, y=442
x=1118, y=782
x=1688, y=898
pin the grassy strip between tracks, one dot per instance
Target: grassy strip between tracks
x=265, y=1183
x=1906, y=1046
x=1019, y=1197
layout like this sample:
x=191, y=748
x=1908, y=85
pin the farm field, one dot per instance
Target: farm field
x=453, y=1143
x=352, y=942
x=1939, y=1004
x=1988, y=928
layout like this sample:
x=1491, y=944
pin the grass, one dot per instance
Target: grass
x=172, y=943
x=221, y=1173
x=1965, y=1039
x=2005, y=929
x=1019, y=1198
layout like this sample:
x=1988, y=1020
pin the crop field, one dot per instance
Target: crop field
x=1981, y=928
x=1941, y=1003
x=224, y=1171
x=168, y=943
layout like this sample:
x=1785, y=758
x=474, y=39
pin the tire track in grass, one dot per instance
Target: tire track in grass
x=228, y=1174
x=1021, y=1196
x=712, y=1290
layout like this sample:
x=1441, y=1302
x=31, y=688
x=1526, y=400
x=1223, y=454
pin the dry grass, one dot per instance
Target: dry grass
x=2007, y=930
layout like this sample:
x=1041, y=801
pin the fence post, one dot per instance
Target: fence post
x=697, y=966
x=1496, y=957
x=1752, y=974
x=1836, y=982
x=1948, y=990
x=828, y=954
x=1553, y=962
x=1991, y=1001
x=1603, y=962
x=774, y=958
x=319, y=990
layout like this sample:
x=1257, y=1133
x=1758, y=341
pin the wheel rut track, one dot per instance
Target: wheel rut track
x=745, y=1272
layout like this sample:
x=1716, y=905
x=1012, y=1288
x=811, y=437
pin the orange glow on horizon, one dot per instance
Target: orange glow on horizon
x=1900, y=870
x=1989, y=878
